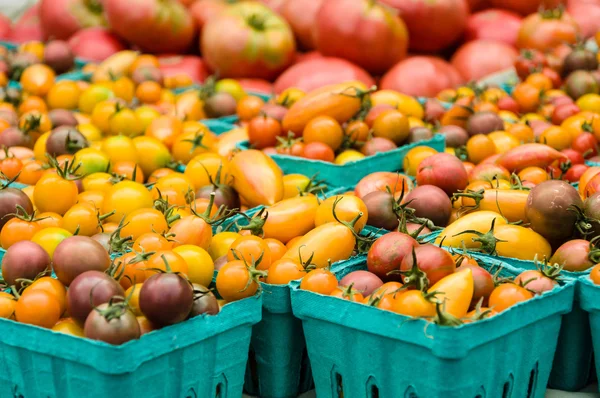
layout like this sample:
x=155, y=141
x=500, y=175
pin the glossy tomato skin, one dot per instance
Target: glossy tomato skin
x=544, y=34
x=432, y=25
x=388, y=252
x=261, y=52
x=257, y=178
x=444, y=171
x=494, y=24
x=301, y=14
x=291, y=218
x=479, y=58
x=433, y=260
x=166, y=299
x=117, y=330
x=421, y=76
x=379, y=37
x=314, y=73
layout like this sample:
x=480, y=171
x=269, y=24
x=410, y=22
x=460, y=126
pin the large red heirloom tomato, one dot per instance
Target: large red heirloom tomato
x=547, y=29
x=479, y=58
x=248, y=40
x=60, y=19
x=361, y=31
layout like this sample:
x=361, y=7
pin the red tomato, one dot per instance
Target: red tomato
x=318, y=151
x=547, y=29
x=95, y=44
x=189, y=65
x=528, y=61
x=587, y=16
x=479, y=58
x=301, y=15
x=432, y=25
x=248, y=40
x=586, y=144
x=318, y=72
x=379, y=38
x=575, y=172
x=423, y=76
x=494, y=24
x=523, y=7
x=263, y=131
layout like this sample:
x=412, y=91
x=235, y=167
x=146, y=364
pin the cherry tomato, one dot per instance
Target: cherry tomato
x=251, y=249
x=200, y=264
x=221, y=242
x=508, y=294
x=124, y=198
x=318, y=151
x=7, y=305
x=151, y=242
x=50, y=238
x=175, y=261
x=68, y=326
x=38, y=307
x=320, y=281
x=45, y=195
x=134, y=298
x=285, y=270
x=236, y=280
x=324, y=129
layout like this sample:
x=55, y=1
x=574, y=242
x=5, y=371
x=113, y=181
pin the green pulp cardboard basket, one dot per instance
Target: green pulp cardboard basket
x=352, y=172
x=589, y=297
x=366, y=352
x=201, y=357
x=573, y=359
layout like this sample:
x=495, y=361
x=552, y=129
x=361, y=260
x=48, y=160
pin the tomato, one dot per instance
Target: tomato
x=220, y=244
x=200, y=265
x=521, y=243
x=7, y=305
x=347, y=208
x=191, y=230
x=480, y=147
x=68, y=326
x=146, y=114
x=142, y=221
x=100, y=182
x=252, y=250
x=151, y=242
x=556, y=137
x=124, y=198
x=39, y=308
x=63, y=95
x=347, y=156
x=50, y=238
x=546, y=30
x=134, y=298
x=529, y=155
x=339, y=101
x=586, y=177
x=456, y=291
x=381, y=38
x=49, y=220
x=37, y=79
x=45, y=197
x=277, y=249
x=535, y=175
x=155, y=154
x=124, y=122
x=202, y=168
x=479, y=58
x=327, y=243
x=193, y=143
x=11, y=167
x=265, y=42
x=414, y=157
x=383, y=181
x=237, y=280
x=257, y=178
x=293, y=184
x=318, y=151
x=493, y=24
x=189, y=106
x=480, y=221
x=132, y=268
x=128, y=170
x=522, y=132
x=423, y=19
x=508, y=294
x=291, y=218
x=283, y=271
x=249, y=107
x=82, y=217
x=595, y=274
x=504, y=141
x=31, y=172
x=320, y=281
x=91, y=160
x=148, y=92
x=157, y=261
x=413, y=303
x=586, y=143
x=263, y=131
x=527, y=96
x=324, y=129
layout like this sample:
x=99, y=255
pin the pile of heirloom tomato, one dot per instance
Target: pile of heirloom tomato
x=139, y=190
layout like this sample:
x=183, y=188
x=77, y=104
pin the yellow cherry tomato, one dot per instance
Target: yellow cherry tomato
x=50, y=238
x=414, y=157
x=220, y=244
x=200, y=263
x=349, y=155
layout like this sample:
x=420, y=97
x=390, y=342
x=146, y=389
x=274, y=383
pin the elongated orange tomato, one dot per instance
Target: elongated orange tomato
x=327, y=243
x=291, y=218
x=340, y=101
x=347, y=208
x=257, y=178
x=509, y=203
x=456, y=290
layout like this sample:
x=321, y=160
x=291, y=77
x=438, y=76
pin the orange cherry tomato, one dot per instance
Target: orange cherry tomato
x=320, y=281
x=68, y=326
x=18, y=229
x=236, y=281
x=277, y=249
x=393, y=125
x=249, y=107
x=49, y=220
x=324, y=129
x=129, y=170
x=251, y=249
x=506, y=295
x=535, y=175
x=480, y=147
x=285, y=270
x=143, y=221
x=7, y=305
x=151, y=242
x=132, y=268
x=38, y=307
x=175, y=261
x=166, y=129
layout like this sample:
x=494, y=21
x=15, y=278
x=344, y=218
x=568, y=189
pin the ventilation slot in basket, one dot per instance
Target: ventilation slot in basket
x=372, y=389
x=507, y=388
x=337, y=385
x=410, y=392
x=532, y=381
x=220, y=391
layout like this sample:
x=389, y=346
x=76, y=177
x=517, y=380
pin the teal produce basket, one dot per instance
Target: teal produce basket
x=278, y=365
x=352, y=172
x=572, y=365
x=362, y=351
x=201, y=357
x=589, y=297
